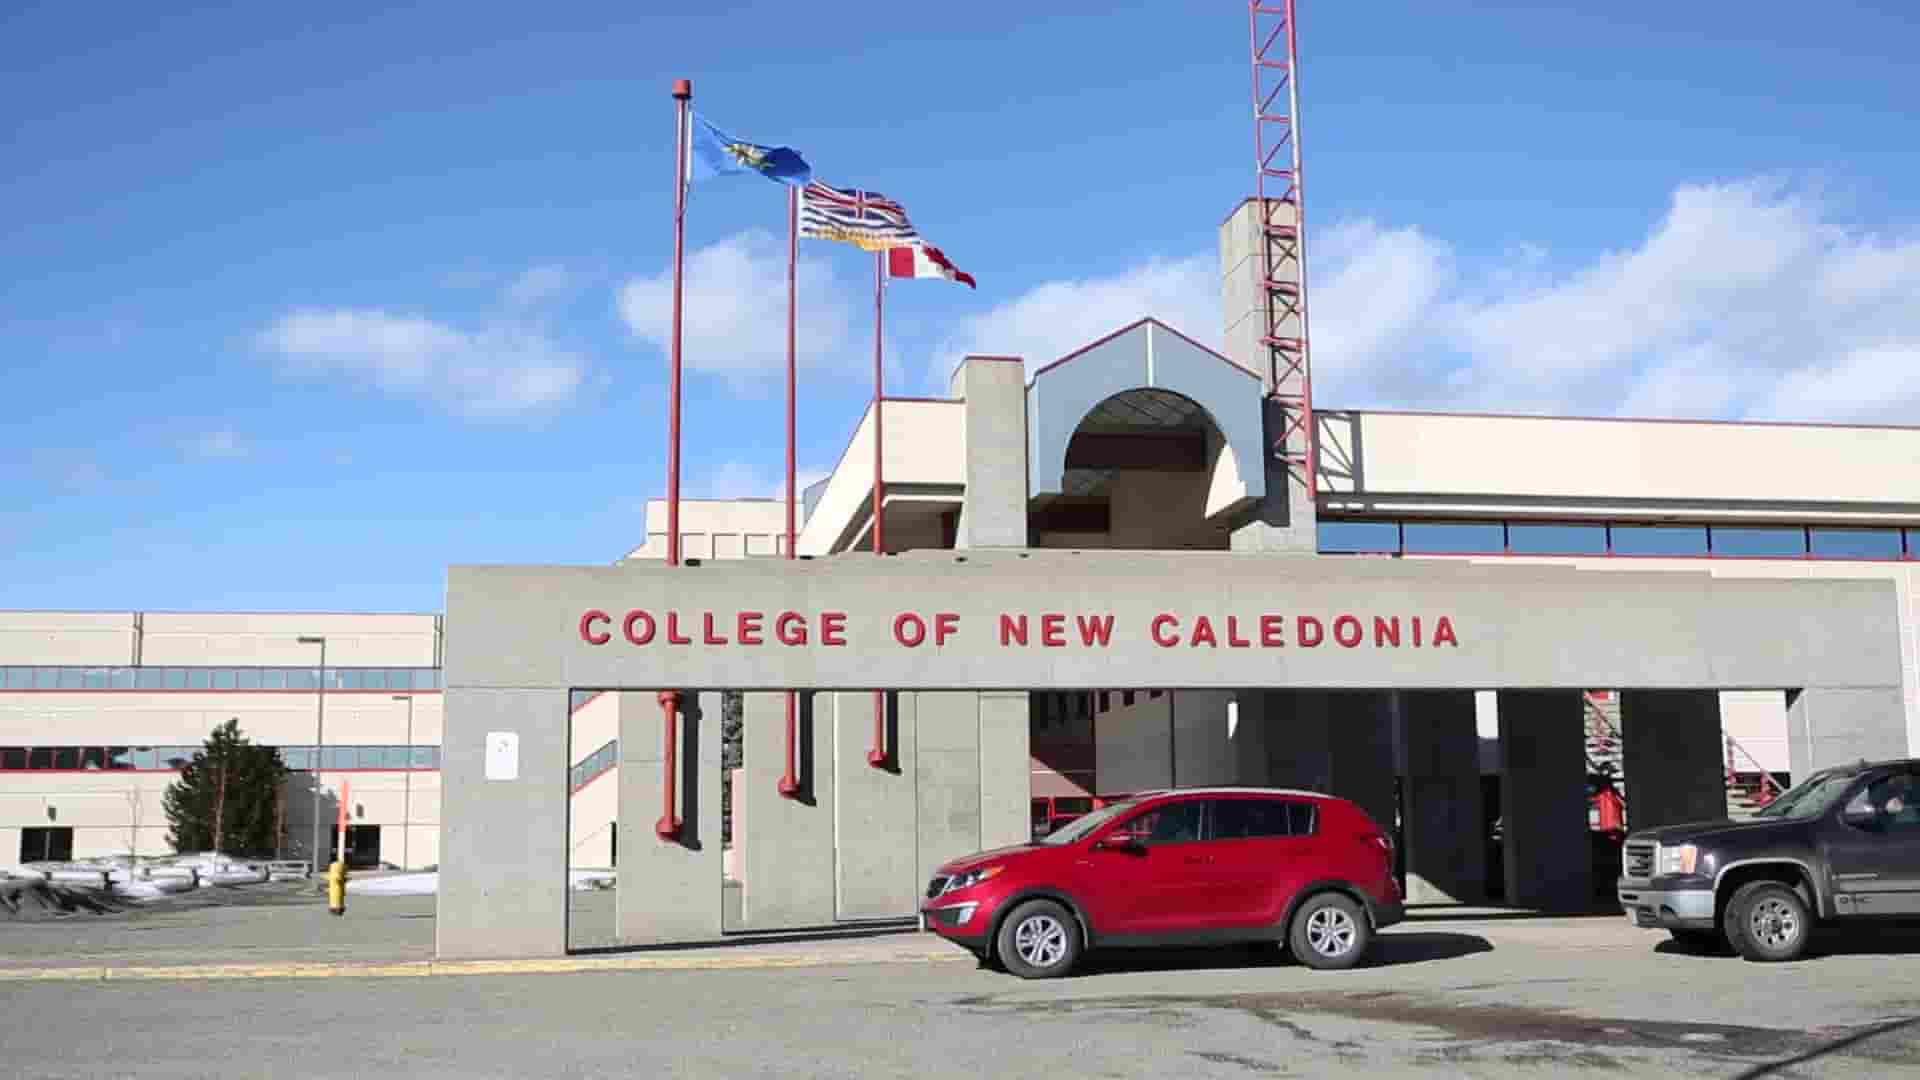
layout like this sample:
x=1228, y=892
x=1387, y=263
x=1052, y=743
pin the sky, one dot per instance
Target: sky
x=299, y=306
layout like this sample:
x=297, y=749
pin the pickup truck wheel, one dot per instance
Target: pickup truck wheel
x=1768, y=922
x=1040, y=940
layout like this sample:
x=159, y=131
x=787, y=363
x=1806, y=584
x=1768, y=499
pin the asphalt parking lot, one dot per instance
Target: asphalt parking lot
x=1474, y=994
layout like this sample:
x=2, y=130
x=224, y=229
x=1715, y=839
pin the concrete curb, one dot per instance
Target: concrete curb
x=419, y=969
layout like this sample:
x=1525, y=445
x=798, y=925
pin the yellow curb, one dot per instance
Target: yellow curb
x=428, y=968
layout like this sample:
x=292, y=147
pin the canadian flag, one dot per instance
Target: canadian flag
x=925, y=261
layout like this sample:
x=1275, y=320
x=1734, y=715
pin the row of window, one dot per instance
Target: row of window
x=71, y=677
x=595, y=764
x=1222, y=819
x=1602, y=538
x=129, y=758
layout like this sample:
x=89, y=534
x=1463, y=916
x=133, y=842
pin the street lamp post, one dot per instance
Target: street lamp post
x=406, y=805
x=319, y=741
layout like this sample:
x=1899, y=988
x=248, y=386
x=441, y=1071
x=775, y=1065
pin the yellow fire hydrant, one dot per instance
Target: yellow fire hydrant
x=337, y=887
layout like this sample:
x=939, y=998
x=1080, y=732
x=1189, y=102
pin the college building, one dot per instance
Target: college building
x=1097, y=580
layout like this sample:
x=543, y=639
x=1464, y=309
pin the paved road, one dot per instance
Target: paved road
x=1473, y=997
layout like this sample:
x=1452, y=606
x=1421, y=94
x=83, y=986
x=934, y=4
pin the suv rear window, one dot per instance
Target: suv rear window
x=1246, y=819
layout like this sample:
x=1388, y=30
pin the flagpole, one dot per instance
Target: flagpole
x=877, y=757
x=789, y=783
x=668, y=827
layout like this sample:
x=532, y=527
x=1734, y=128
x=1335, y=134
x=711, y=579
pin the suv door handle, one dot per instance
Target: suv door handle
x=1193, y=860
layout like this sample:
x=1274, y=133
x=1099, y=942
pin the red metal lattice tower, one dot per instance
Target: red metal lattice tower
x=1282, y=206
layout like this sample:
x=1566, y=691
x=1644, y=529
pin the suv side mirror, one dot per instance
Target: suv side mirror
x=1862, y=816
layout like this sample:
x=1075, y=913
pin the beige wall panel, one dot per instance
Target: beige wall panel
x=53, y=637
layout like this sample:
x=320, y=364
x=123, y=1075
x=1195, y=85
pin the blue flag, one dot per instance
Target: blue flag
x=715, y=153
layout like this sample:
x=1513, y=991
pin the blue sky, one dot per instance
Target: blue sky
x=300, y=307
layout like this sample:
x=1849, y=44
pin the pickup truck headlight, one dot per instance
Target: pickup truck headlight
x=971, y=878
x=1679, y=860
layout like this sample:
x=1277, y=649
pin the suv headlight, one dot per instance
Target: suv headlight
x=970, y=878
x=1679, y=860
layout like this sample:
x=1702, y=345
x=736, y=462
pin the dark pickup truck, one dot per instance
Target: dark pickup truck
x=1842, y=846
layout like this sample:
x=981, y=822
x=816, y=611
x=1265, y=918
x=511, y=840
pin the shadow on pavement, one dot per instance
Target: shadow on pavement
x=1417, y=915
x=1842, y=941
x=1773, y=1068
x=1389, y=950
x=848, y=933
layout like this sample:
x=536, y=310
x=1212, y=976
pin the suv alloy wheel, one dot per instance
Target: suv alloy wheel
x=1767, y=921
x=1040, y=940
x=1329, y=932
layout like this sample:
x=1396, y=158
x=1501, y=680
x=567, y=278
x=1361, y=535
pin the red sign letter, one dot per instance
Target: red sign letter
x=1095, y=631
x=790, y=628
x=712, y=638
x=1309, y=631
x=1154, y=630
x=1271, y=627
x=633, y=619
x=833, y=628
x=1234, y=639
x=1203, y=631
x=1386, y=631
x=945, y=625
x=586, y=627
x=1053, y=631
x=1443, y=633
x=1010, y=630
x=674, y=636
x=747, y=628
x=1347, y=631
x=909, y=629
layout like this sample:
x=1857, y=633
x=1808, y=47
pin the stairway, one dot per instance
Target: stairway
x=1605, y=749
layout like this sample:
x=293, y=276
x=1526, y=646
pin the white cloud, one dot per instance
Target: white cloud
x=218, y=444
x=1745, y=299
x=497, y=371
x=538, y=284
x=734, y=309
x=1054, y=318
x=750, y=480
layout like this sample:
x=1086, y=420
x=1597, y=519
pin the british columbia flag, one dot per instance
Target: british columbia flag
x=866, y=219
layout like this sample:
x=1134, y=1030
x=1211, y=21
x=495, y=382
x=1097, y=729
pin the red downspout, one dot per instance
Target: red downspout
x=668, y=827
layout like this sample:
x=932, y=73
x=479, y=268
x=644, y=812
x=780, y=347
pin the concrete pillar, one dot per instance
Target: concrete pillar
x=786, y=844
x=1543, y=800
x=1202, y=752
x=946, y=777
x=1827, y=727
x=1673, y=758
x=1284, y=521
x=1299, y=746
x=670, y=890
x=503, y=875
x=1251, y=733
x=1006, y=768
x=1360, y=744
x=876, y=869
x=1443, y=832
x=994, y=513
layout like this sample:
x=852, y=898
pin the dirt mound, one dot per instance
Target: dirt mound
x=35, y=901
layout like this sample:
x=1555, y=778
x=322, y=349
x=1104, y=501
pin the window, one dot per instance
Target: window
x=19, y=678
x=40, y=757
x=1753, y=542
x=223, y=678
x=1359, y=537
x=72, y=679
x=426, y=679
x=1169, y=823
x=144, y=757
x=302, y=679
x=96, y=678
x=395, y=757
x=426, y=757
x=1856, y=543
x=1248, y=819
x=13, y=757
x=199, y=679
x=120, y=757
x=1659, y=540
x=123, y=678
x=246, y=679
x=373, y=679
x=176, y=678
x=1556, y=539
x=93, y=757
x=273, y=678
x=346, y=680
x=176, y=757
x=340, y=757
x=46, y=844
x=46, y=678
x=297, y=758
x=1897, y=798
x=66, y=757
x=148, y=679
x=1442, y=538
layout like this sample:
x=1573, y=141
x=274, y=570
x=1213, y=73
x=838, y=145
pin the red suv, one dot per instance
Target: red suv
x=1190, y=867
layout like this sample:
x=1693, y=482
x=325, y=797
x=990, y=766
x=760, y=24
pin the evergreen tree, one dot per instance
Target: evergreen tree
x=732, y=728
x=232, y=788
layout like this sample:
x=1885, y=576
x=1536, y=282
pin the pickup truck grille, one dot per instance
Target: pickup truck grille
x=1638, y=861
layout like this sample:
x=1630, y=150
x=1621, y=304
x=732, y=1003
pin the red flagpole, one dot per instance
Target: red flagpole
x=789, y=783
x=877, y=757
x=668, y=827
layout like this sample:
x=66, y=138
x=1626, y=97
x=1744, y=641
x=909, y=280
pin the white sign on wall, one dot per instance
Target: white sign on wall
x=503, y=755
